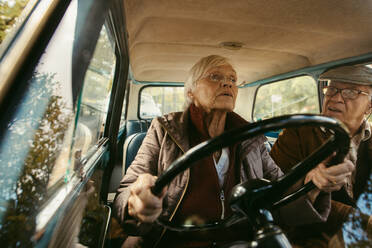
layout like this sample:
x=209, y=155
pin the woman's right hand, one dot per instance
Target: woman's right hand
x=142, y=204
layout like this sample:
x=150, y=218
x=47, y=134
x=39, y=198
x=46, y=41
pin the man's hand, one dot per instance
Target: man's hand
x=331, y=178
x=142, y=204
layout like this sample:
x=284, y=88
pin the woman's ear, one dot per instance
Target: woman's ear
x=190, y=94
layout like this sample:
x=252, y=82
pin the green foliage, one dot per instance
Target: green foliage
x=296, y=95
x=32, y=184
x=99, y=77
x=9, y=15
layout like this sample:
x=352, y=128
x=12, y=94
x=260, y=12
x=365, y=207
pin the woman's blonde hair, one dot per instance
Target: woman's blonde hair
x=198, y=70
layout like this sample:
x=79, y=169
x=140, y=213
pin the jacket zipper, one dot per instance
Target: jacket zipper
x=183, y=193
x=173, y=213
x=222, y=198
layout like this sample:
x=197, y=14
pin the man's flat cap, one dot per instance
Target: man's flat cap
x=355, y=74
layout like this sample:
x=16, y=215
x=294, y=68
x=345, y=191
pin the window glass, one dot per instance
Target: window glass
x=295, y=95
x=11, y=15
x=33, y=154
x=157, y=101
x=36, y=157
x=95, y=96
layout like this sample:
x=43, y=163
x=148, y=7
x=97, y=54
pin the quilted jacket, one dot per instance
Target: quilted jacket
x=166, y=140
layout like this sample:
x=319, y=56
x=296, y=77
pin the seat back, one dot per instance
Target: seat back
x=131, y=146
x=268, y=145
x=271, y=138
x=133, y=126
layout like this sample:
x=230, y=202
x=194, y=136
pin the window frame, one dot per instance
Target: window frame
x=94, y=157
x=107, y=117
x=283, y=79
x=22, y=20
x=22, y=54
x=147, y=86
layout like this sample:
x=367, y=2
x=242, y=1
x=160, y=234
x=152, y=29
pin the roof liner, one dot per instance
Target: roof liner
x=167, y=37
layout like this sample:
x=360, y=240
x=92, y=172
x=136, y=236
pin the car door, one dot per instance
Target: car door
x=60, y=97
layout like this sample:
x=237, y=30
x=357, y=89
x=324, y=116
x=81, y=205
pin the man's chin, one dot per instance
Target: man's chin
x=337, y=115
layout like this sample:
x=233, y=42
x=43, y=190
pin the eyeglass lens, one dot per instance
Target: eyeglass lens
x=345, y=93
x=217, y=77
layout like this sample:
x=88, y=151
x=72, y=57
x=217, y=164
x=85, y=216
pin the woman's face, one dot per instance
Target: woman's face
x=216, y=89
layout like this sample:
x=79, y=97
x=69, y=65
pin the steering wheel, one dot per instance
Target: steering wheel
x=255, y=198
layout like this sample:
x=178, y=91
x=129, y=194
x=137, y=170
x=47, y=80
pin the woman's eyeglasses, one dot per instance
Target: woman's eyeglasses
x=218, y=78
x=346, y=93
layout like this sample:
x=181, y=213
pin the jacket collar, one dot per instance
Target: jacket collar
x=176, y=124
x=363, y=134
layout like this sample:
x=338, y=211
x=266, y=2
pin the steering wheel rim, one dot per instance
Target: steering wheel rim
x=339, y=142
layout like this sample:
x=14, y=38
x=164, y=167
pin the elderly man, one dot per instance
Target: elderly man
x=347, y=97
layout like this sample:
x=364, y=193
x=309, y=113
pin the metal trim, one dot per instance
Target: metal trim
x=16, y=53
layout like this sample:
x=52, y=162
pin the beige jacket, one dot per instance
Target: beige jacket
x=166, y=140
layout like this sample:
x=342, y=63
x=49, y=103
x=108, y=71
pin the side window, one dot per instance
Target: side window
x=12, y=15
x=290, y=96
x=37, y=150
x=157, y=101
x=34, y=152
x=95, y=96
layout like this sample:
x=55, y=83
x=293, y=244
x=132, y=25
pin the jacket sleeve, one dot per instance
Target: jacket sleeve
x=286, y=151
x=300, y=211
x=146, y=161
x=270, y=170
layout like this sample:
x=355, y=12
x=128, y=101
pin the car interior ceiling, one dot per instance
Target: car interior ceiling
x=262, y=38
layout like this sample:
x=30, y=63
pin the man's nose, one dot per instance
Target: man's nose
x=338, y=97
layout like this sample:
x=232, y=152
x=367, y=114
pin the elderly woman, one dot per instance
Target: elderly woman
x=199, y=193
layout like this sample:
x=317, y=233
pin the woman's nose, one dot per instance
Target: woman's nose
x=227, y=83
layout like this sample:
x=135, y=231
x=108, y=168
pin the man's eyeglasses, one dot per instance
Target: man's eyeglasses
x=346, y=93
x=218, y=78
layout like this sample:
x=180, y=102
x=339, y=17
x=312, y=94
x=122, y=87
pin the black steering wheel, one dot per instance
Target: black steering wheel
x=254, y=199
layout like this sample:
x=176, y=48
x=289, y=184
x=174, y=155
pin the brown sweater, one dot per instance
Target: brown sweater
x=295, y=144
